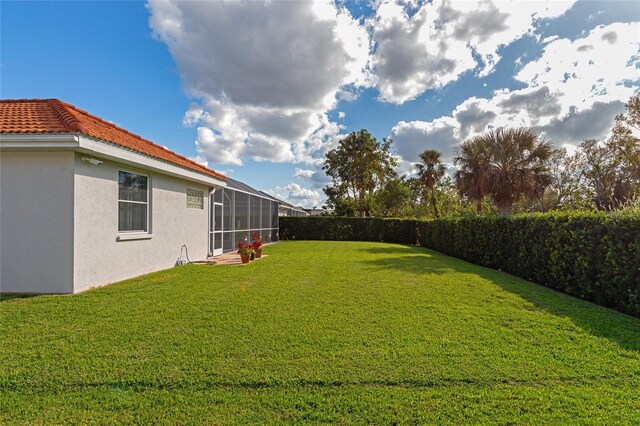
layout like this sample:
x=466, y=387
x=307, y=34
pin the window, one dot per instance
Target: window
x=133, y=202
x=195, y=199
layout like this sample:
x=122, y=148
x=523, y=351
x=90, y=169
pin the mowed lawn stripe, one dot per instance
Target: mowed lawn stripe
x=375, y=328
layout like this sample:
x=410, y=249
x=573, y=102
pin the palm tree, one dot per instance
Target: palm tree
x=430, y=171
x=473, y=161
x=506, y=164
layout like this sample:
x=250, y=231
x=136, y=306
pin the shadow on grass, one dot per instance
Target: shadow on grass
x=5, y=297
x=594, y=319
x=410, y=259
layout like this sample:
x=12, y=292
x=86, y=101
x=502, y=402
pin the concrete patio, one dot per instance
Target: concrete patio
x=231, y=258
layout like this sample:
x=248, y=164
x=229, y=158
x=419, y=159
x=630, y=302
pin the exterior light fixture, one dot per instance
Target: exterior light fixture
x=93, y=161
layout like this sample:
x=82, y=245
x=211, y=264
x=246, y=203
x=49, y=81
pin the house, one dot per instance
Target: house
x=319, y=212
x=84, y=203
x=287, y=209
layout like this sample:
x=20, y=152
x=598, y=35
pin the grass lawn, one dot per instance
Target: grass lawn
x=342, y=332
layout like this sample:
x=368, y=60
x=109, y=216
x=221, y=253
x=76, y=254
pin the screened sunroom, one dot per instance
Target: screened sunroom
x=287, y=209
x=238, y=211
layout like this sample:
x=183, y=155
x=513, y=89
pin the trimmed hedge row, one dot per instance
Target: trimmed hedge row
x=401, y=231
x=593, y=256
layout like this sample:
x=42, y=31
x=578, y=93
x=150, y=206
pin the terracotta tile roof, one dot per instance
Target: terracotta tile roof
x=55, y=116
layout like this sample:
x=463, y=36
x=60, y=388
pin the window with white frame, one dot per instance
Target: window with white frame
x=133, y=202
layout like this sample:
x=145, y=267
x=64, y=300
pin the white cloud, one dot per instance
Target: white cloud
x=436, y=45
x=266, y=73
x=594, y=122
x=316, y=177
x=319, y=179
x=413, y=137
x=303, y=173
x=217, y=149
x=297, y=195
x=525, y=107
x=590, y=69
x=574, y=91
x=200, y=160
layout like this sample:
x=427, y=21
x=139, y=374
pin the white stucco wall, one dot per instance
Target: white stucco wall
x=36, y=222
x=100, y=258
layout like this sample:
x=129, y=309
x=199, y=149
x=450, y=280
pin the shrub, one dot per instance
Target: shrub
x=593, y=256
x=401, y=231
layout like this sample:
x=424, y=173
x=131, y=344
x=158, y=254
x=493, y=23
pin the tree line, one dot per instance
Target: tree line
x=502, y=171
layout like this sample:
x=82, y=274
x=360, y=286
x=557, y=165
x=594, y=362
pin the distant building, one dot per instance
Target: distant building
x=319, y=212
x=286, y=209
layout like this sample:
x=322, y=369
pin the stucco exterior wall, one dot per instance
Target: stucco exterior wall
x=100, y=258
x=36, y=222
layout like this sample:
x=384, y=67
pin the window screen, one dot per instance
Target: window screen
x=133, y=202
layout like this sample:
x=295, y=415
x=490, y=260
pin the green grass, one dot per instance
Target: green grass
x=339, y=332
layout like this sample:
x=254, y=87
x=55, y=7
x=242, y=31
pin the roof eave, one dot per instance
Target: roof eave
x=13, y=141
x=105, y=150
x=116, y=153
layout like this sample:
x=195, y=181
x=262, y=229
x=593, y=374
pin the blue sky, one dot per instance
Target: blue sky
x=262, y=91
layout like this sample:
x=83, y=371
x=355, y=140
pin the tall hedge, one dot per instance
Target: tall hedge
x=402, y=231
x=593, y=256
